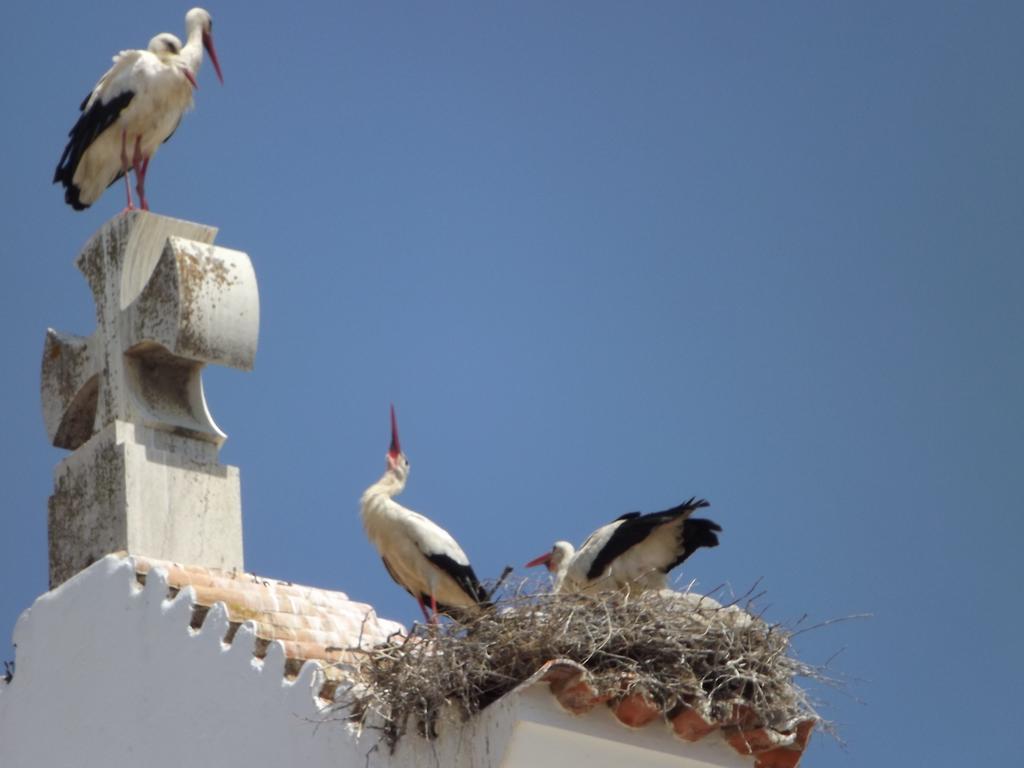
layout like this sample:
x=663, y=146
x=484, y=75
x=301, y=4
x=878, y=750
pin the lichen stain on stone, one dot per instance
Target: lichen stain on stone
x=220, y=273
x=91, y=266
x=78, y=513
x=195, y=274
x=109, y=412
x=79, y=417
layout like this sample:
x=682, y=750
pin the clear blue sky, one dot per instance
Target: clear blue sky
x=602, y=256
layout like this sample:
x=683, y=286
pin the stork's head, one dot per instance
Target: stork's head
x=198, y=19
x=165, y=45
x=167, y=48
x=397, y=463
x=560, y=554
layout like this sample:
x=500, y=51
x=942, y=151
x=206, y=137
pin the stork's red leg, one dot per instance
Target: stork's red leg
x=423, y=608
x=139, y=163
x=433, y=608
x=142, y=183
x=125, y=167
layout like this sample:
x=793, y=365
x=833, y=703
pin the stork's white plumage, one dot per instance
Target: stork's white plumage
x=634, y=552
x=133, y=109
x=419, y=554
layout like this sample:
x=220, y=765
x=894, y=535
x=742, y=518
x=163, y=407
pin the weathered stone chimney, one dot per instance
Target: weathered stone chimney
x=128, y=400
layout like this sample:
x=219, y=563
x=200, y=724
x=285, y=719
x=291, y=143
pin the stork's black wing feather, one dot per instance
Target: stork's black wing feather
x=463, y=575
x=423, y=597
x=635, y=528
x=91, y=123
x=697, y=532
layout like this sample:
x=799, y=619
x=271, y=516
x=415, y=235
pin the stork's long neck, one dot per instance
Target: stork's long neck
x=568, y=551
x=377, y=507
x=389, y=485
x=192, y=51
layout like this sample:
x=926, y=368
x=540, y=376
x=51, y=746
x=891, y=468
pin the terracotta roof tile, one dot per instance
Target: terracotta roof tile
x=569, y=684
x=689, y=725
x=311, y=624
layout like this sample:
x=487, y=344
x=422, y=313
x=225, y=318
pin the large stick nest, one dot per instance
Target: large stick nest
x=675, y=648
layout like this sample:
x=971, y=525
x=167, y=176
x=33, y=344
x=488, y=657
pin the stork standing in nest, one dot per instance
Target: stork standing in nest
x=134, y=108
x=634, y=552
x=420, y=555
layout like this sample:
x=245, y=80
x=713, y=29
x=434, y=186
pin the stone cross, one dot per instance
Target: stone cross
x=128, y=400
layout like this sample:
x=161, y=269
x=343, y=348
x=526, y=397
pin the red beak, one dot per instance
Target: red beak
x=396, y=447
x=208, y=45
x=542, y=560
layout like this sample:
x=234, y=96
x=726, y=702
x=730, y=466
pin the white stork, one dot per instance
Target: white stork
x=420, y=555
x=133, y=109
x=634, y=552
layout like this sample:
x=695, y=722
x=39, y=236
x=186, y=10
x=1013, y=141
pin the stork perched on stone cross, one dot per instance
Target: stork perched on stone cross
x=128, y=399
